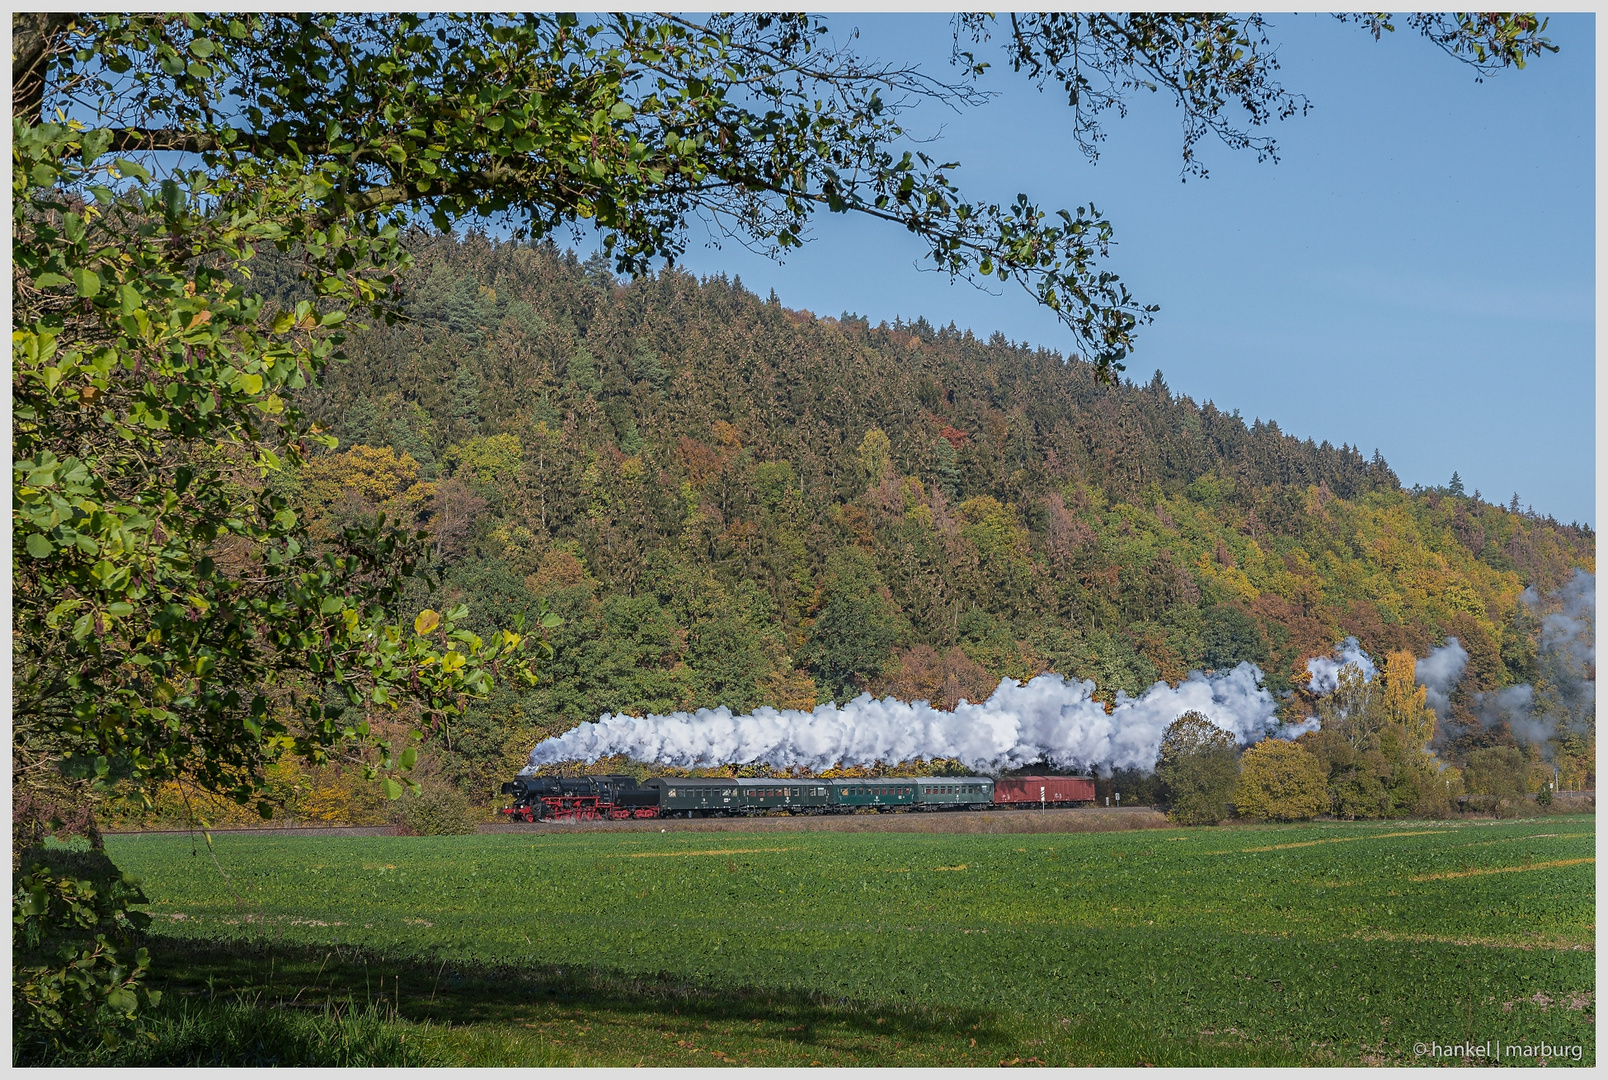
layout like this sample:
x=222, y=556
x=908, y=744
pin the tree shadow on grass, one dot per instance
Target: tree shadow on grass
x=590, y=1014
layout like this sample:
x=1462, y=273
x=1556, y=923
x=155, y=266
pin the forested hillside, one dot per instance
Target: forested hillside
x=731, y=502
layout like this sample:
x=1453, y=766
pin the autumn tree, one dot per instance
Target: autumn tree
x=1280, y=781
x=1353, y=710
x=1402, y=700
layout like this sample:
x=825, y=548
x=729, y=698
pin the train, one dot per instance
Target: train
x=620, y=798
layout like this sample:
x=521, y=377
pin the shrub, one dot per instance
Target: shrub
x=1499, y=771
x=1439, y=791
x=76, y=976
x=1280, y=781
x=438, y=810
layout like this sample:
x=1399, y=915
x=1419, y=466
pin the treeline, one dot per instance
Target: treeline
x=733, y=503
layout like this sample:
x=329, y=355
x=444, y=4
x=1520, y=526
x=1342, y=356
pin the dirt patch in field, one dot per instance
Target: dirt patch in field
x=1483, y=870
x=1093, y=819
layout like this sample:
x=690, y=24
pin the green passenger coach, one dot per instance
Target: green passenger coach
x=696, y=796
x=876, y=793
x=953, y=792
x=760, y=794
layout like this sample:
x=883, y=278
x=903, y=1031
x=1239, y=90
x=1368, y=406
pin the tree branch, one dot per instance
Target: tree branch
x=33, y=39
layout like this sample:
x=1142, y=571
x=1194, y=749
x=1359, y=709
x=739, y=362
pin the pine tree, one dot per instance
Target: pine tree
x=1456, y=486
x=362, y=425
x=947, y=468
x=465, y=404
x=462, y=308
x=404, y=440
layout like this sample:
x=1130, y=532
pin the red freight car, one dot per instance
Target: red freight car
x=1043, y=790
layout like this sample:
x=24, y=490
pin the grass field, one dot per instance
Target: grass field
x=1323, y=944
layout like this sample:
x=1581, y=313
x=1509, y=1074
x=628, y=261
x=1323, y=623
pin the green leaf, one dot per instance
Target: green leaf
x=86, y=282
x=393, y=790
x=331, y=605
x=48, y=280
x=39, y=547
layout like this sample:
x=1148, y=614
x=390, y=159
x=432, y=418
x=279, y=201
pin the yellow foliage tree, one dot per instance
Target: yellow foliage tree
x=876, y=454
x=489, y=462
x=1403, y=700
x=1280, y=781
x=375, y=478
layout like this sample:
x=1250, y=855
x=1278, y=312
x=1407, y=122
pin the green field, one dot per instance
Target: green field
x=1323, y=944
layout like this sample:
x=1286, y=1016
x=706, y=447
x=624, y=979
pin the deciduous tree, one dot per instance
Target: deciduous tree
x=1198, y=765
x=1280, y=781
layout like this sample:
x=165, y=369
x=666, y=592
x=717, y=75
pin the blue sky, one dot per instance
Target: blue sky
x=1416, y=274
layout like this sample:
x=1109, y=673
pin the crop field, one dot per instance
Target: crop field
x=1322, y=944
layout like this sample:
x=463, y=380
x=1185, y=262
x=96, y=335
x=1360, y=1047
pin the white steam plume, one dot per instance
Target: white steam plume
x=1439, y=672
x=1049, y=718
x=1296, y=730
x=1323, y=672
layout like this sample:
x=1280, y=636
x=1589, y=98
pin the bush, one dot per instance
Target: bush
x=436, y=811
x=1280, y=781
x=76, y=976
x=1498, y=770
x=1438, y=792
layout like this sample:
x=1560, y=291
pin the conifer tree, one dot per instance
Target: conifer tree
x=464, y=406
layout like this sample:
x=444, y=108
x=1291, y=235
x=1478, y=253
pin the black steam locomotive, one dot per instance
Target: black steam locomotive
x=593, y=798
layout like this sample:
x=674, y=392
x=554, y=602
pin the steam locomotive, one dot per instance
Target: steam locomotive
x=618, y=798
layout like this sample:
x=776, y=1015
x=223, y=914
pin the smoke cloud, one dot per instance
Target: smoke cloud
x=1439, y=673
x=1294, y=731
x=1323, y=672
x=1049, y=718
